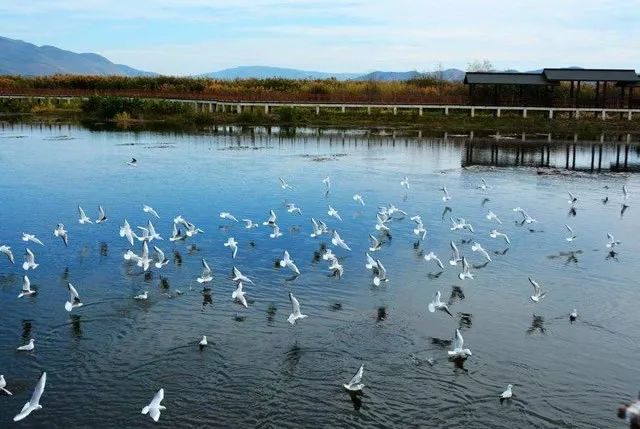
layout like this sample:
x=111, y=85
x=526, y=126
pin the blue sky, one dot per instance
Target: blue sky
x=196, y=36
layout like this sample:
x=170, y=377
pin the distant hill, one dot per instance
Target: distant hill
x=264, y=72
x=448, y=74
x=22, y=58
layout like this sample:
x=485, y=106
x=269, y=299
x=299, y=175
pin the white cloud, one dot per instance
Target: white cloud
x=354, y=35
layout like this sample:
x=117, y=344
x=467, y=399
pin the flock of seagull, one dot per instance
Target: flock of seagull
x=184, y=230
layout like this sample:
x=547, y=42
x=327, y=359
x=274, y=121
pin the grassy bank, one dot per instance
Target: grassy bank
x=143, y=113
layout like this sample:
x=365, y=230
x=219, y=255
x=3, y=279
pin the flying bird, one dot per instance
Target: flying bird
x=334, y=213
x=6, y=250
x=32, y=238
x=375, y=244
x=101, y=215
x=336, y=240
x=537, y=291
x=207, y=274
x=272, y=218
x=229, y=216
x=82, y=217
x=154, y=408
x=436, y=304
x=433, y=257
x=284, y=184
x=126, y=231
x=465, y=274
x=74, y=298
x=455, y=254
x=34, y=403
x=62, y=233
x=355, y=385
x=293, y=209
x=161, y=260
x=286, y=261
x=26, y=288
x=492, y=216
x=446, y=197
x=380, y=273
x=358, y=198
x=495, y=234
x=239, y=277
x=233, y=245
x=248, y=224
x=477, y=247
x=572, y=235
x=150, y=210
x=405, y=183
x=29, y=261
x=458, y=347
x=295, y=310
x=612, y=241
x=239, y=295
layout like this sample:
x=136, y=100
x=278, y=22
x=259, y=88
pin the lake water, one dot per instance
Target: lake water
x=106, y=360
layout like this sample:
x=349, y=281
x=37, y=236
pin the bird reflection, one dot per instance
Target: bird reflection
x=164, y=283
x=207, y=298
x=624, y=209
x=65, y=274
x=26, y=330
x=293, y=357
x=355, y=399
x=458, y=363
x=446, y=210
x=177, y=258
x=537, y=324
x=76, y=328
x=192, y=249
x=336, y=306
x=484, y=201
x=271, y=313
x=382, y=314
x=605, y=200
x=573, y=212
x=456, y=295
x=104, y=249
x=501, y=252
x=480, y=266
x=465, y=320
x=148, y=276
x=612, y=255
x=440, y=343
x=432, y=276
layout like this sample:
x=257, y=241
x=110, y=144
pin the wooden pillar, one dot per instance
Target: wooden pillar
x=571, y=90
x=597, y=92
x=496, y=95
x=604, y=94
x=622, y=90
x=575, y=103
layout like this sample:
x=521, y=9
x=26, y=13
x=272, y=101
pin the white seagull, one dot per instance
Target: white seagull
x=336, y=240
x=3, y=384
x=27, y=347
x=6, y=250
x=319, y=228
x=238, y=294
x=82, y=217
x=334, y=213
x=203, y=342
x=150, y=210
x=537, y=291
x=455, y=254
x=572, y=198
x=433, y=257
x=507, y=394
x=126, y=231
x=248, y=223
x=29, y=260
x=239, y=277
x=483, y=185
x=572, y=236
x=206, y=275
x=405, y=183
x=420, y=231
x=612, y=241
x=143, y=296
x=34, y=403
x=154, y=408
x=495, y=234
x=525, y=215
x=375, y=244
x=26, y=288
x=176, y=235
x=284, y=184
x=101, y=215
x=272, y=218
x=295, y=310
x=465, y=274
x=293, y=209
x=370, y=262
x=358, y=198
x=161, y=258
x=233, y=245
x=227, y=215
x=492, y=216
x=74, y=298
x=625, y=193
x=446, y=197
x=62, y=233
x=436, y=304
x=32, y=238
x=458, y=350
x=380, y=273
x=286, y=261
x=380, y=223
x=327, y=183
x=275, y=232
x=477, y=247
x=355, y=385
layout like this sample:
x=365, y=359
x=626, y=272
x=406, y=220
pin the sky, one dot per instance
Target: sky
x=183, y=37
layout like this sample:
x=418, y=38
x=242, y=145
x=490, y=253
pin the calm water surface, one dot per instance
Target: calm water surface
x=106, y=360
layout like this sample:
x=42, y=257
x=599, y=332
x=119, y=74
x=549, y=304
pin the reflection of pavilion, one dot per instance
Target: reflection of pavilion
x=540, y=150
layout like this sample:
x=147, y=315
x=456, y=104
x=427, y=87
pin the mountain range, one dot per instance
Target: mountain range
x=22, y=58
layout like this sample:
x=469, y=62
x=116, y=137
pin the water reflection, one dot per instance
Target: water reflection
x=537, y=324
x=26, y=330
x=76, y=328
